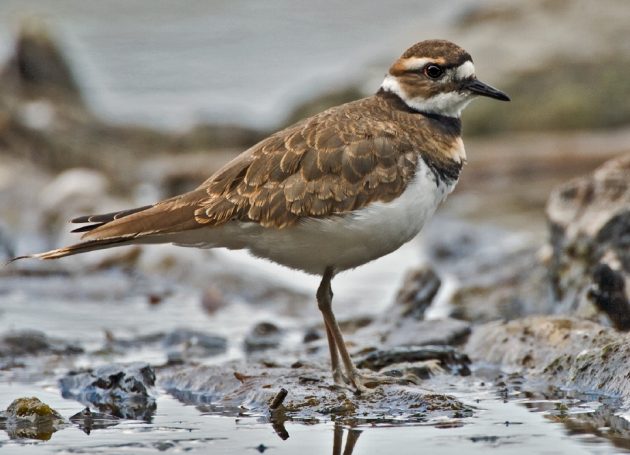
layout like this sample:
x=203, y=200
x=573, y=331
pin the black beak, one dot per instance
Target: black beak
x=479, y=88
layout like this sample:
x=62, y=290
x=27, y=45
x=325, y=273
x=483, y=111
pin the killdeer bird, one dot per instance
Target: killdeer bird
x=329, y=193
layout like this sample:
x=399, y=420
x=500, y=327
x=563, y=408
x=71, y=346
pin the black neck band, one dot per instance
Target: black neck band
x=450, y=122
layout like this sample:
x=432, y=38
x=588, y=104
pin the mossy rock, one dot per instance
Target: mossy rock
x=31, y=408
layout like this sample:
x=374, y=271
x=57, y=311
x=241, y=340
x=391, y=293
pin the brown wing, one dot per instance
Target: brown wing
x=333, y=163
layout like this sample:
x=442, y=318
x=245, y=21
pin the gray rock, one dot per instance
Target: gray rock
x=120, y=390
x=589, y=219
x=185, y=343
x=312, y=334
x=33, y=342
x=263, y=336
x=88, y=420
x=515, y=285
x=608, y=293
x=37, y=67
x=412, y=332
x=568, y=352
x=448, y=358
x=496, y=274
x=414, y=372
x=179, y=344
x=416, y=294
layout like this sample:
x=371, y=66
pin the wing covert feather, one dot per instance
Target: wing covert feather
x=326, y=165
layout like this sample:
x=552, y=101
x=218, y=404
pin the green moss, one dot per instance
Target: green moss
x=31, y=407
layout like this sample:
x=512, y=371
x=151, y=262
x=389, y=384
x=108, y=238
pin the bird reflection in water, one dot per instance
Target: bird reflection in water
x=338, y=446
x=351, y=440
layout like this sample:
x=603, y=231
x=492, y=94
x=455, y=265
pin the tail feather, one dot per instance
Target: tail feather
x=148, y=224
x=87, y=228
x=101, y=219
x=77, y=248
x=106, y=217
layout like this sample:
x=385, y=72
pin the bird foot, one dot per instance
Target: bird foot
x=362, y=383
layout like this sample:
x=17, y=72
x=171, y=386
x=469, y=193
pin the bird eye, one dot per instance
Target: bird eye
x=433, y=71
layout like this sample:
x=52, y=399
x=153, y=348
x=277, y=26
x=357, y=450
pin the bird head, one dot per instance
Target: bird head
x=437, y=77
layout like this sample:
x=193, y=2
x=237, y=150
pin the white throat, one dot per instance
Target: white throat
x=449, y=104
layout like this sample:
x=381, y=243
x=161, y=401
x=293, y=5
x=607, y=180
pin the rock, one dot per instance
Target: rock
x=119, y=390
x=515, y=286
x=567, y=352
x=32, y=409
x=31, y=418
x=459, y=246
x=608, y=293
x=419, y=288
x=40, y=102
x=88, y=420
x=492, y=273
x=179, y=344
x=312, y=334
x=355, y=323
x=186, y=344
x=250, y=389
x=38, y=68
x=33, y=342
x=589, y=219
x=408, y=358
x=263, y=336
x=411, y=332
x=414, y=372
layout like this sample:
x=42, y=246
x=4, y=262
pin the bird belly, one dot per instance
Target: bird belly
x=342, y=241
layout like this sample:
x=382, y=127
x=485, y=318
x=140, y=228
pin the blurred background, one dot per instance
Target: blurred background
x=109, y=105
x=144, y=100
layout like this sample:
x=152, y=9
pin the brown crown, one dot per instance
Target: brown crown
x=449, y=52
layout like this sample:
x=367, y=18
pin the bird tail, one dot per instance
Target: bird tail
x=77, y=248
x=148, y=224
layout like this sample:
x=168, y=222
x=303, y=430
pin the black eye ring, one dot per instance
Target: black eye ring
x=433, y=71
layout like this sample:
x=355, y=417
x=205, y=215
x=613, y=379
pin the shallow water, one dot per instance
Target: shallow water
x=506, y=426
x=81, y=308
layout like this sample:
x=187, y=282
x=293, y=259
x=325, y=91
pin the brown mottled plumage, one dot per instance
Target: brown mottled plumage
x=329, y=193
x=333, y=163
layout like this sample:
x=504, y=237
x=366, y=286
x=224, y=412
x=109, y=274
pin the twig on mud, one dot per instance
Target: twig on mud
x=278, y=399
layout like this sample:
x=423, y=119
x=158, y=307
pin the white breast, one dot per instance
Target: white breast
x=343, y=242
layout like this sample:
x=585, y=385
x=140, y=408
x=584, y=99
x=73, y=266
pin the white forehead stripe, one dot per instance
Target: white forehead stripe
x=416, y=63
x=465, y=70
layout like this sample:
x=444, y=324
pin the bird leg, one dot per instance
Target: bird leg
x=334, y=358
x=336, y=343
x=324, y=294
